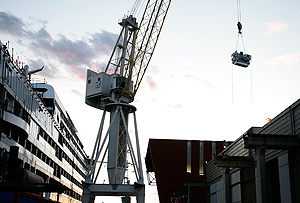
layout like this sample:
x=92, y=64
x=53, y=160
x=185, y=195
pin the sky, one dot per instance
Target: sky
x=191, y=90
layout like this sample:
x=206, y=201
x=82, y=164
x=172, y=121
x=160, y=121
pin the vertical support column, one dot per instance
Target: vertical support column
x=88, y=196
x=226, y=185
x=140, y=198
x=57, y=197
x=261, y=190
x=12, y=165
x=141, y=177
x=284, y=178
x=189, y=194
x=117, y=146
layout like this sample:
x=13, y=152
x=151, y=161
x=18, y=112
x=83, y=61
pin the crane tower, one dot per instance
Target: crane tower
x=112, y=91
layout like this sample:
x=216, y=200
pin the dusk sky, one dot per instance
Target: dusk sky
x=191, y=90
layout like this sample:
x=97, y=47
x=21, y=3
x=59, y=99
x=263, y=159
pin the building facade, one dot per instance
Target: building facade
x=262, y=165
x=177, y=168
x=39, y=143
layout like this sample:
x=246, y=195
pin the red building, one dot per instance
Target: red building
x=177, y=167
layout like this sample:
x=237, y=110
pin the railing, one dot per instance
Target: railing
x=17, y=111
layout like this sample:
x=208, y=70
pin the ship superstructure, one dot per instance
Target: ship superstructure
x=39, y=142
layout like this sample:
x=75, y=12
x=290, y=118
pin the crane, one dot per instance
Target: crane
x=112, y=91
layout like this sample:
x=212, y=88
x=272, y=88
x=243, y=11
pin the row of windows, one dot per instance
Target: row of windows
x=59, y=152
x=73, y=194
x=18, y=83
x=201, y=156
x=49, y=103
x=58, y=171
x=20, y=138
x=4, y=163
x=70, y=137
x=74, y=154
x=15, y=108
x=62, y=141
x=15, y=79
x=71, y=127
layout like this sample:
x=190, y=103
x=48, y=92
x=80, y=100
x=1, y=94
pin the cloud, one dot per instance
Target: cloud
x=275, y=28
x=49, y=71
x=284, y=59
x=150, y=82
x=11, y=25
x=293, y=82
x=193, y=78
x=103, y=41
x=73, y=55
x=174, y=106
x=76, y=92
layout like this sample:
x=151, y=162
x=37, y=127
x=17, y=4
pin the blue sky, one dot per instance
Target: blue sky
x=191, y=90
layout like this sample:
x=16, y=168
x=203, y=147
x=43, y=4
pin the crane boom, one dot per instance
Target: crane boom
x=145, y=43
x=135, y=45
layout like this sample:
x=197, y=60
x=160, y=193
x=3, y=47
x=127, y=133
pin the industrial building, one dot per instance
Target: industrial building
x=177, y=168
x=262, y=165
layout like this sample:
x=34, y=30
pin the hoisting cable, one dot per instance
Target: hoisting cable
x=239, y=11
x=137, y=8
x=239, y=25
x=240, y=58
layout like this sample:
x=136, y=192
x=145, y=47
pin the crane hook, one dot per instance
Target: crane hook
x=239, y=25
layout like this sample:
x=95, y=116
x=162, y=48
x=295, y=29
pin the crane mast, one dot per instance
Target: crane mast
x=112, y=91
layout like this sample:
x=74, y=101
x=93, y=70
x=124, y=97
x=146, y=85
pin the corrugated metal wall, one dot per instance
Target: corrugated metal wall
x=297, y=119
x=213, y=172
x=285, y=123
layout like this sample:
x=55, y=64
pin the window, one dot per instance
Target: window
x=214, y=149
x=235, y=182
x=28, y=145
x=201, y=161
x=27, y=166
x=189, y=157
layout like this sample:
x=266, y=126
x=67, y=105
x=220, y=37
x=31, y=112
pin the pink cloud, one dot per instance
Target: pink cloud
x=198, y=80
x=275, y=28
x=175, y=106
x=291, y=58
x=150, y=82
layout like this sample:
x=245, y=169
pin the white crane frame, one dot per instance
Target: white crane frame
x=91, y=188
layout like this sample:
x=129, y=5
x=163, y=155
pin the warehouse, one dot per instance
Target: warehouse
x=262, y=165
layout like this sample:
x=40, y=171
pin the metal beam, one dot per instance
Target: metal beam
x=195, y=184
x=271, y=141
x=32, y=187
x=111, y=190
x=234, y=162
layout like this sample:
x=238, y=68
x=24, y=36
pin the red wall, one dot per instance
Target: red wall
x=169, y=158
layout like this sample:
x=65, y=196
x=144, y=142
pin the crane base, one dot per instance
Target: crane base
x=90, y=191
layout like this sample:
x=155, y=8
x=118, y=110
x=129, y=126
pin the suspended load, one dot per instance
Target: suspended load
x=239, y=58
